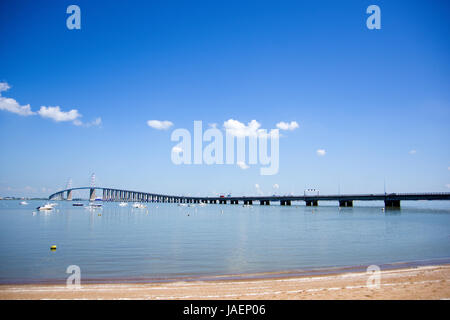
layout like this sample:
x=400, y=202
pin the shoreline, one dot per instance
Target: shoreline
x=414, y=282
x=319, y=271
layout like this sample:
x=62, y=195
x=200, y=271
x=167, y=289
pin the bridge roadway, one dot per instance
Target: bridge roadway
x=391, y=200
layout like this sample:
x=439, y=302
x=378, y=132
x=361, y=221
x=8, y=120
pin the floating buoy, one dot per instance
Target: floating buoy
x=53, y=247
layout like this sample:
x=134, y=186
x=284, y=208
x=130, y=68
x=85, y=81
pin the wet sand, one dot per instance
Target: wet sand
x=425, y=282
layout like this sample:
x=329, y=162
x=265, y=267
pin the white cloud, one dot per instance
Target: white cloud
x=177, y=149
x=239, y=129
x=57, y=115
x=159, y=125
x=448, y=168
x=321, y=152
x=4, y=86
x=242, y=165
x=448, y=185
x=276, y=186
x=412, y=151
x=287, y=126
x=11, y=105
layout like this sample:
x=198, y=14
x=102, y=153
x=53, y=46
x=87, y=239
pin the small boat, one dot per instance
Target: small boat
x=123, y=204
x=23, y=203
x=53, y=204
x=77, y=204
x=201, y=204
x=182, y=205
x=45, y=207
x=95, y=205
x=139, y=205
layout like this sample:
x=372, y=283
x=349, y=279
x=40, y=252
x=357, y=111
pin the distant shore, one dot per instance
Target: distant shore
x=422, y=282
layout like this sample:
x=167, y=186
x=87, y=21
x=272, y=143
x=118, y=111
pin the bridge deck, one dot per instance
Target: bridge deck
x=308, y=198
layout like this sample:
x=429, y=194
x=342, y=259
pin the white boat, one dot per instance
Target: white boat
x=53, y=204
x=123, y=204
x=201, y=204
x=182, y=205
x=24, y=203
x=95, y=205
x=139, y=205
x=45, y=207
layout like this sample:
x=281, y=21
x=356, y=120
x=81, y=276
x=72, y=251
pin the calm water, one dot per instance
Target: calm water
x=167, y=241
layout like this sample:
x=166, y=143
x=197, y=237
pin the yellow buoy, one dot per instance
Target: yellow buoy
x=53, y=247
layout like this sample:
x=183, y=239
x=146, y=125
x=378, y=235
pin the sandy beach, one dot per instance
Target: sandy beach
x=425, y=282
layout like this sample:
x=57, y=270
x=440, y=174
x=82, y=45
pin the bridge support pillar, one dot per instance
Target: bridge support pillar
x=69, y=195
x=312, y=203
x=248, y=202
x=392, y=204
x=92, y=194
x=264, y=202
x=285, y=202
x=345, y=203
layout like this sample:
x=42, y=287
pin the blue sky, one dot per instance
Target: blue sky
x=377, y=101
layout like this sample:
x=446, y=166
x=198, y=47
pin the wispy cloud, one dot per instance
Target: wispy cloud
x=448, y=185
x=412, y=151
x=321, y=152
x=242, y=165
x=96, y=123
x=276, y=186
x=287, y=126
x=159, y=125
x=54, y=113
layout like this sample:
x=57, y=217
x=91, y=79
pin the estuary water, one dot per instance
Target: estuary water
x=166, y=241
